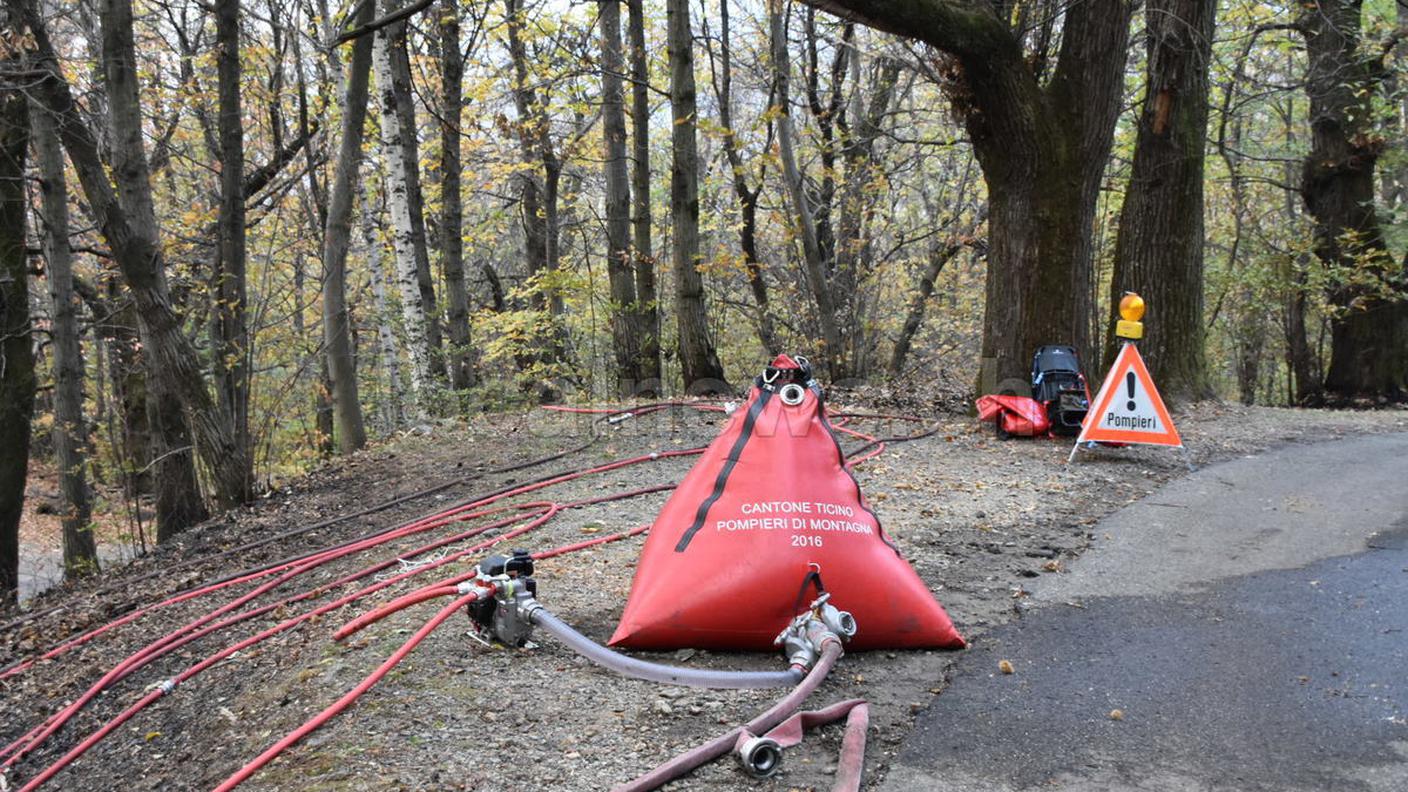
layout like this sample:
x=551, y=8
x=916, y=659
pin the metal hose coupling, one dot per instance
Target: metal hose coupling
x=760, y=756
x=804, y=638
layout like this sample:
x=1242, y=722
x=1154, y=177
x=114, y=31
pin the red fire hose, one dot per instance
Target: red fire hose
x=278, y=573
x=350, y=696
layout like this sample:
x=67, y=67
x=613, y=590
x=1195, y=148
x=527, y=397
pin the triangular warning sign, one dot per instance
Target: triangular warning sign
x=1128, y=408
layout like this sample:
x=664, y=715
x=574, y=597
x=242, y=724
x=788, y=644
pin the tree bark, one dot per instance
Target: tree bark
x=231, y=352
x=70, y=431
x=337, y=320
x=415, y=196
x=699, y=363
x=398, y=186
x=461, y=354
x=386, y=338
x=1369, y=323
x=625, y=332
x=647, y=300
x=1043, y=149
x=1159, y=248
x=178, y=501
x=17, y=382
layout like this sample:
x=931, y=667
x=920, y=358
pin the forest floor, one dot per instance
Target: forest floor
x=978, y=518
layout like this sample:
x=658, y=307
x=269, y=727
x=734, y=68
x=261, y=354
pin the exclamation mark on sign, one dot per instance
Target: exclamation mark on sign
x=1129, y=383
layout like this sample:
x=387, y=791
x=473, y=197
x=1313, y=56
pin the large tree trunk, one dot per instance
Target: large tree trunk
x=1159, y=250
x=1369, y=324
x=231, y=352
x=1043, y=149
x=647, y=301
x=625, y=333
x=70, y=431
x=699, y=363
x=337, y=320
x=397, y=182
x=17, y=381
x=461, y=357
x=178, y=500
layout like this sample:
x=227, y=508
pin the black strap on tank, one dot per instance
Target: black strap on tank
x=813, y=576
x=734, y=453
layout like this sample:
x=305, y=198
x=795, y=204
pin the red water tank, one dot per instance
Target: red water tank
x=728, y=559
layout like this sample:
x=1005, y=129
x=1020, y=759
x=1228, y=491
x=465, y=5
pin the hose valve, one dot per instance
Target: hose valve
x=810, y=630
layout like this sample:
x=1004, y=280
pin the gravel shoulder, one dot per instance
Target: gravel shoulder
x=978, y=518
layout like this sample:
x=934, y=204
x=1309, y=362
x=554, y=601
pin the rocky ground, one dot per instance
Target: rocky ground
x=978, y=518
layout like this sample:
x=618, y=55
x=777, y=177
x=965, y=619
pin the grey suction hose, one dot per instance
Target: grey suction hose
x=656, y=672
x=724, y=743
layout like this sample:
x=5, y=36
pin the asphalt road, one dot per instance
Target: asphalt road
x=1248, y=622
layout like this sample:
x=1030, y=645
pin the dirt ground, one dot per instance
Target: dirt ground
x=978, y=518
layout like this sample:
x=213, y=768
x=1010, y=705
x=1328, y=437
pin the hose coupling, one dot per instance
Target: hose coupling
x=809, y=632
x=760, y=756
x=166, y=686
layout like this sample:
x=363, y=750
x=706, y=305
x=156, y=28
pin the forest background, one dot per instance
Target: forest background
x=237, y=238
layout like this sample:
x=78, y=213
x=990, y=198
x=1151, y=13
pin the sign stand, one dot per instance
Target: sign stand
x=1128, y=408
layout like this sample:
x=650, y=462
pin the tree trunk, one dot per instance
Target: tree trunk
x=461, y=357
x=538, y=191
x=1159, y=248
x=415, y=196
x=176, y=486
x=747, y=197
x=939, y=257
x=17, y=382
x=70, y=430
x=814, y=260
x=647, y=301
x=130, y=390
x=855, y=208
x=1369, y=323
x=397, y=183
x=625, y=332
x=386, y=338
x=231, y=352
x=699, y=364
x=1043, y=150
x=337, y=320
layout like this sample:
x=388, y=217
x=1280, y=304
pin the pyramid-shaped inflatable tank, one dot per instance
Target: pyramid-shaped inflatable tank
x=730, y=558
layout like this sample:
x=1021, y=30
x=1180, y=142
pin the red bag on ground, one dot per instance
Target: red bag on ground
x=1017, y=415
x=728, y=561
